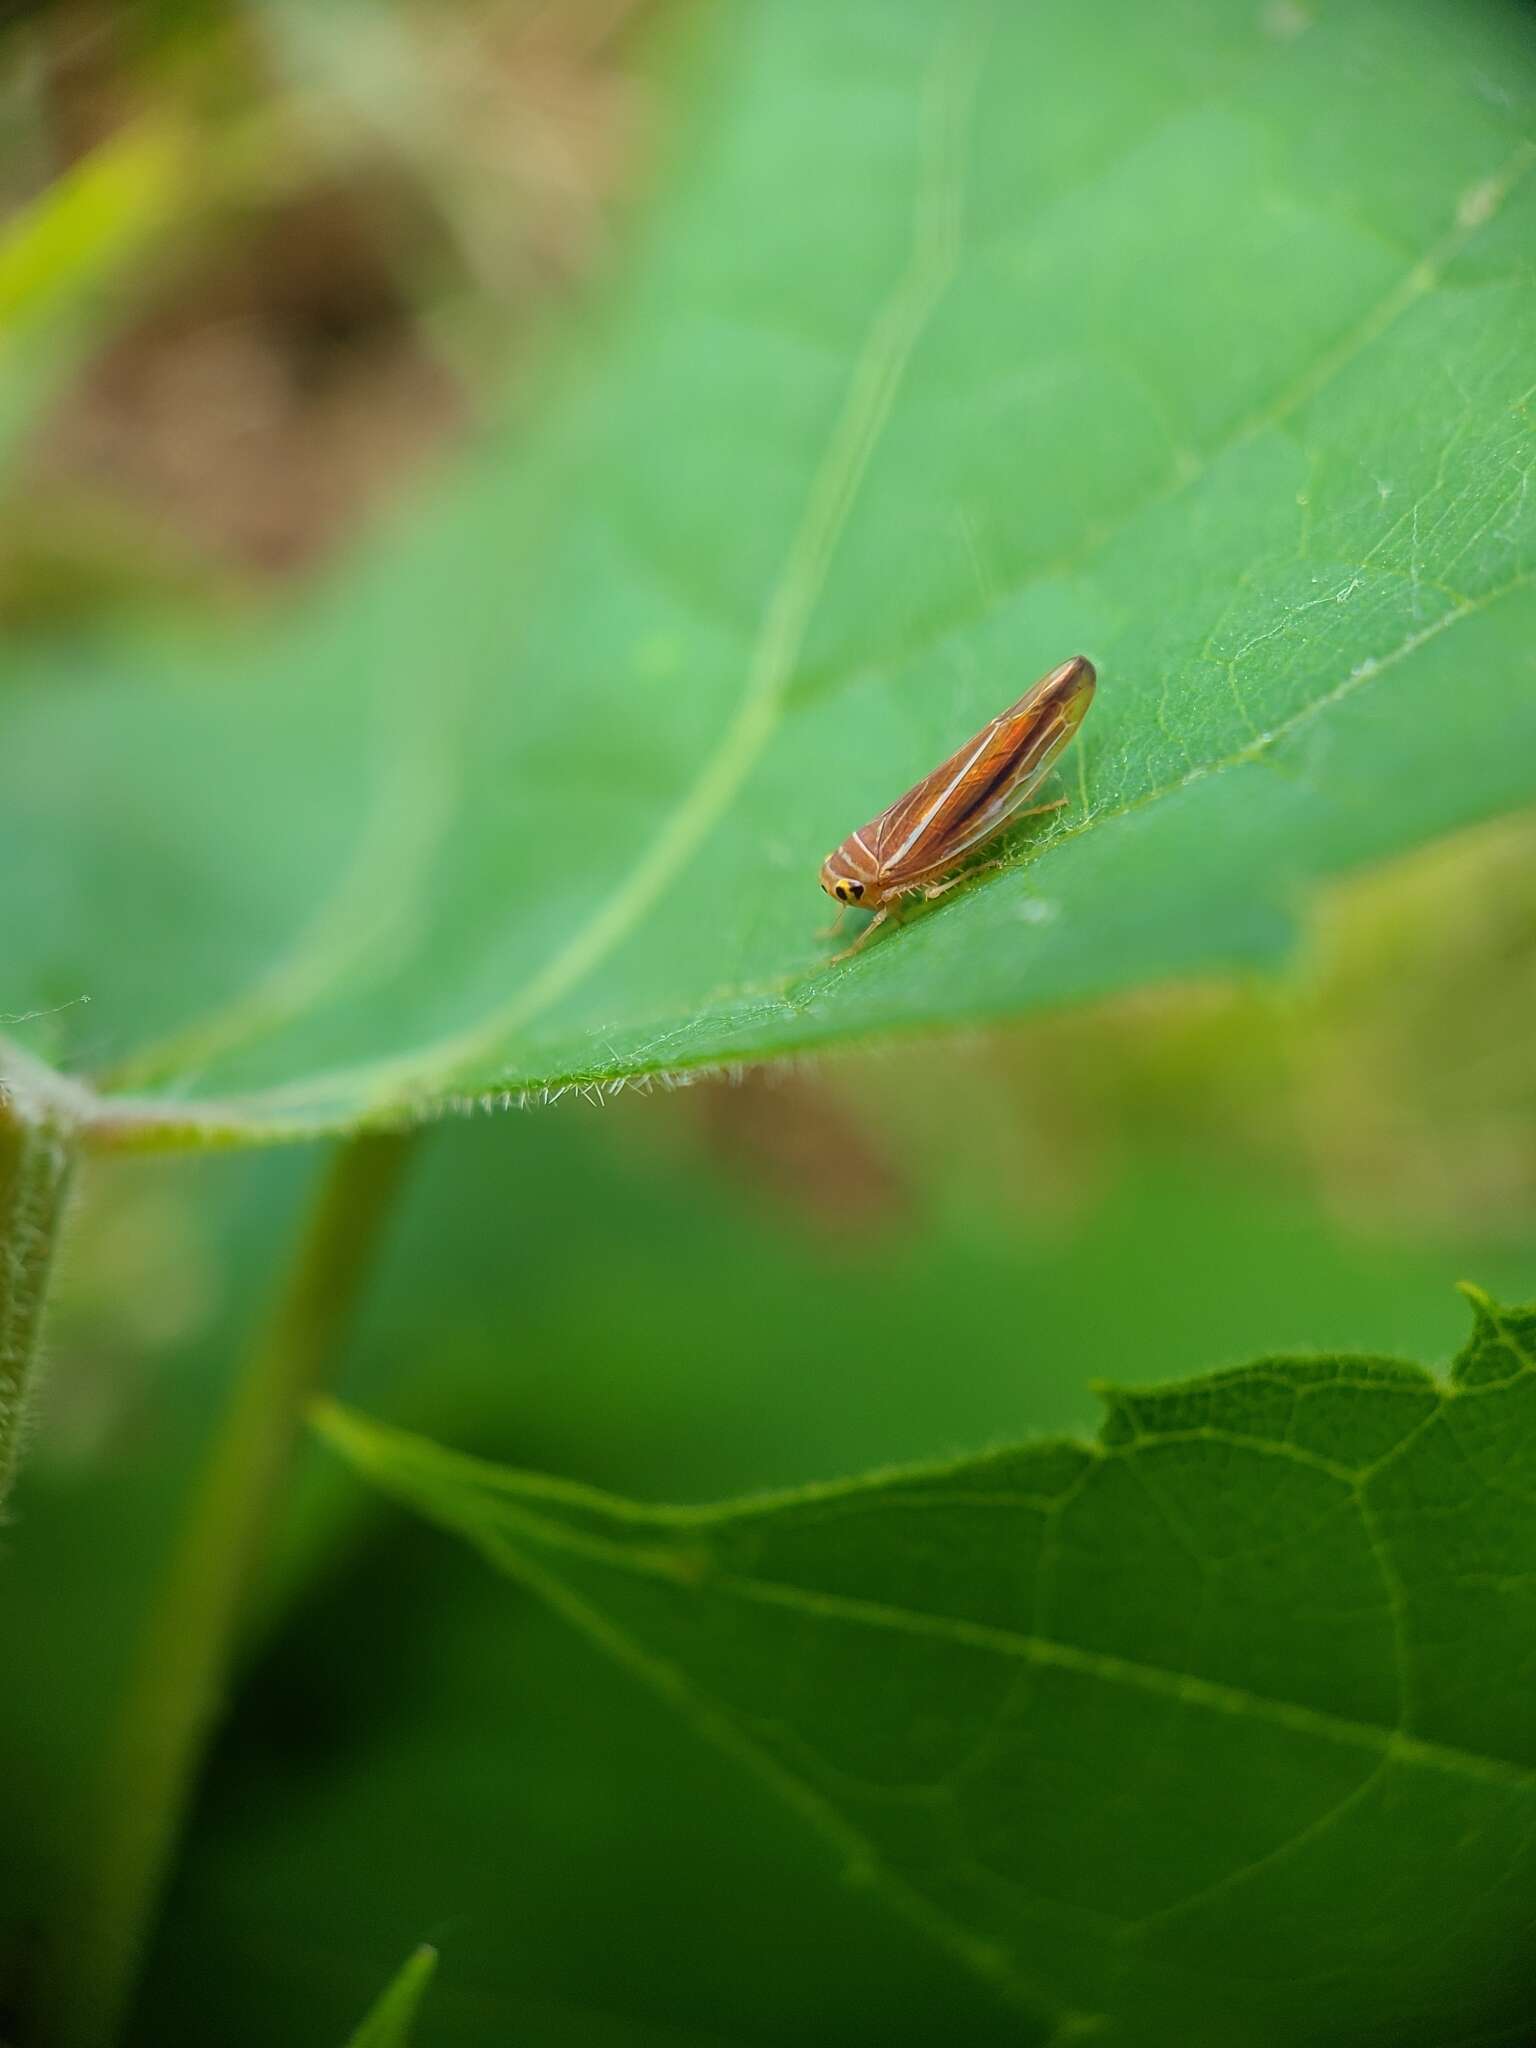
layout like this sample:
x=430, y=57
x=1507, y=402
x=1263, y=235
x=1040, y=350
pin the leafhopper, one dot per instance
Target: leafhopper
x=914, y=848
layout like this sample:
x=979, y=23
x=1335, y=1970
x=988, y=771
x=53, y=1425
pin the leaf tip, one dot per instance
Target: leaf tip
x=390, y=2021
x=1118, y=1426
x=1502, y=1343
x=338, y=1428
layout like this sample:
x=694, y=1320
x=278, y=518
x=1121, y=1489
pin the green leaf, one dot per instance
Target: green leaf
x=638, y=1848
x=1170, y=1737
x=954, y=341
x=389, y=2022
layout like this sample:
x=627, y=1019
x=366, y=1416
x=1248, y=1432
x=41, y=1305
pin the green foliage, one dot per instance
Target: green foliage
x=390, y=2023
x=64, y=257
x=1192, y=1735
x=1202, y=347
x=412, y=1754
x=948, y=340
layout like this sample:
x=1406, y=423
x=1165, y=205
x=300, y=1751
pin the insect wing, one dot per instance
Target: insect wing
x=973, y=794
x=1010, y=797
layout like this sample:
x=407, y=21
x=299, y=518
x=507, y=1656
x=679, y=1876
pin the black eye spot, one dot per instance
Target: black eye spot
x=842, y=892
x=858, y=888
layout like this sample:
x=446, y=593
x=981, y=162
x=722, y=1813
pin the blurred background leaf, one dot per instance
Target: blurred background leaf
x=389, y=2023
x=1199, y=367
x=62, y=254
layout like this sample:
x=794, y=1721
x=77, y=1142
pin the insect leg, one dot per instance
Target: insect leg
x=868, y=933
x=987, y=867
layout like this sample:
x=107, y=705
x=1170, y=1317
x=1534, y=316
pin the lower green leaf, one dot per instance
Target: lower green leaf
x=1190, y=1735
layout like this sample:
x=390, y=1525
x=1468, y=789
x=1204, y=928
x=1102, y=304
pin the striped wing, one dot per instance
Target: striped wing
x=974, y=793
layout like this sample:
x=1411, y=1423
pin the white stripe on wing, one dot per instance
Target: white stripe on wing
x=942, y=798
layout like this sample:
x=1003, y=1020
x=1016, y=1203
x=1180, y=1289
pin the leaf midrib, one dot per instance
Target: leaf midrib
x=1394, y=1744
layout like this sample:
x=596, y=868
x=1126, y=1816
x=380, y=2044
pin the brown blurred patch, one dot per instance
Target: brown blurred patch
x=275, y=396
x=795, y=1139
x=285, y=373
x=79, y=53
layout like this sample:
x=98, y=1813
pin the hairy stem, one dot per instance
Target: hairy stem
x=35, y=1160
x=174, y=1696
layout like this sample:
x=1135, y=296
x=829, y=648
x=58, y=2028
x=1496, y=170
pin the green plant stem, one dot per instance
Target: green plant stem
x=175, y=1694
x=35, y=1162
